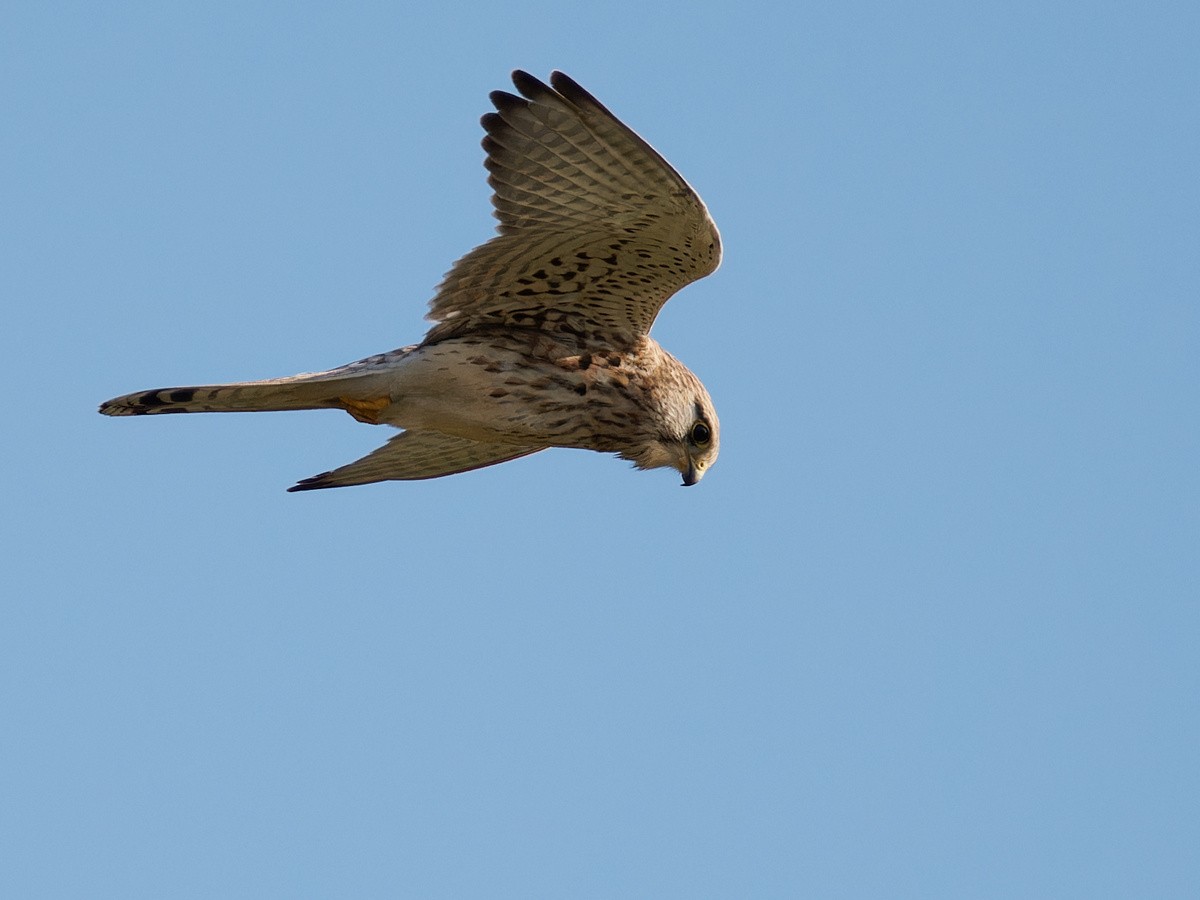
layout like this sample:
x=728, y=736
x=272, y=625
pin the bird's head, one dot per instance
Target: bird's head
x=689, y=437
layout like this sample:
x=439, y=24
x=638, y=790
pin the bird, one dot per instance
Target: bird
x=540, y=337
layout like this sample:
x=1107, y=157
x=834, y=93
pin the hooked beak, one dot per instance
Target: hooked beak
x=691, y=476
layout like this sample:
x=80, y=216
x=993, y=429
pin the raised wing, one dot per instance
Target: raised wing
x=597, y=230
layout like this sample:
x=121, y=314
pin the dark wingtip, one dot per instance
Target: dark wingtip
x=571, y=89
x=527, y=84
x=312, y=484
x=503, y=100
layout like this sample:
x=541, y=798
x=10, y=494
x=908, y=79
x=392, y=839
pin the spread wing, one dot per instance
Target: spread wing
x=597, y=230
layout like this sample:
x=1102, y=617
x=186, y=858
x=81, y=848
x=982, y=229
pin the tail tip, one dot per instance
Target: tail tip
x=144, y=403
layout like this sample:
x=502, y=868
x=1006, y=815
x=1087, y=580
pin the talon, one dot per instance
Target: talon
x=365, y=410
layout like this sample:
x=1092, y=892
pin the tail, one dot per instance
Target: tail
x=360, y=388
x=246, y=396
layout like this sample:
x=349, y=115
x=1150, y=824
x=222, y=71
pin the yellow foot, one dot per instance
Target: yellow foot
x=365, y=410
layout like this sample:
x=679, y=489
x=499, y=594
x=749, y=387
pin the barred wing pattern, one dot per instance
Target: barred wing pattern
x=597, y=231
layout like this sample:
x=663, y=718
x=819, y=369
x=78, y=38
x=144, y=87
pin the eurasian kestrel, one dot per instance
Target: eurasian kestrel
x=541, y=335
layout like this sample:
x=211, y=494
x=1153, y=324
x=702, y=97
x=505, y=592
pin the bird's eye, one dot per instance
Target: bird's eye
x=701, y=434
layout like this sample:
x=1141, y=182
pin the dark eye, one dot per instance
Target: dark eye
x=701, y=434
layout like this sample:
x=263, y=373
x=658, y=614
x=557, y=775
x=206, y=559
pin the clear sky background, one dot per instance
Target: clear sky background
x=928, y=629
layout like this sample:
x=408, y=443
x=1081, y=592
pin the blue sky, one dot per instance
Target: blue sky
x=928, y=628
